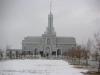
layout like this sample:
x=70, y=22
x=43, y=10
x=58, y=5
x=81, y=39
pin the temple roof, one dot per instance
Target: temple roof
x=66, y=40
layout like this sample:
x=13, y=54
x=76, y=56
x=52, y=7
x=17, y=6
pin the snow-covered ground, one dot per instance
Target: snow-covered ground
x=37, y=67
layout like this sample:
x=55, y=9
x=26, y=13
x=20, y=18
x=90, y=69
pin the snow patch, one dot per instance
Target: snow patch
x=38, y=67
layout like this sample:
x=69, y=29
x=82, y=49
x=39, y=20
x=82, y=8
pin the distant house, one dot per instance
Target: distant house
x=13, y=53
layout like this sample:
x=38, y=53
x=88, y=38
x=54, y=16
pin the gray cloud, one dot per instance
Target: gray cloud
x=20, y=18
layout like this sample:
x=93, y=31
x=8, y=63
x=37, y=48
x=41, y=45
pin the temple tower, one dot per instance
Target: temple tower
x=49, y=37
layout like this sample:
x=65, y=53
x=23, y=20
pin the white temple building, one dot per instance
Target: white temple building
x=48, y=43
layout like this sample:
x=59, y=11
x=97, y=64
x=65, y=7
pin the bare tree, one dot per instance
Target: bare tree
x=88, y=49
x=97, y=39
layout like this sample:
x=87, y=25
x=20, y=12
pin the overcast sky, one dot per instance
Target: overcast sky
x=20, y=18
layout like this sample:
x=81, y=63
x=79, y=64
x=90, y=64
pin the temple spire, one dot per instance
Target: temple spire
x=50, y=28
x=50, y=6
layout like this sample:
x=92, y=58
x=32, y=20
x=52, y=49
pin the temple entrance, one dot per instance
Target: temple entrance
x=58, y=52
x=53, y=53
x=47, y=52
x=41, y=53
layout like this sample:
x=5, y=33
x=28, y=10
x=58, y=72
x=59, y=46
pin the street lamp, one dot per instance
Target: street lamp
x=99, y=60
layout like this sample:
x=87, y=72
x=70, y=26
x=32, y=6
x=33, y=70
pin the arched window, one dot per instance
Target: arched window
x=47, y=50
x=48, y=41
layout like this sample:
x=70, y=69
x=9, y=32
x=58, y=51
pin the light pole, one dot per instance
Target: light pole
x=99, y=60
x=99, y=64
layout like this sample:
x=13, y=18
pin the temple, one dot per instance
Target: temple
x=48, y=44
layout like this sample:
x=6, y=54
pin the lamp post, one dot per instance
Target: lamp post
x=99, y=64
x=99, y=60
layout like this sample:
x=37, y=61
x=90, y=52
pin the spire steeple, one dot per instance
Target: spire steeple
x=50, y=28
x=50, y=6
